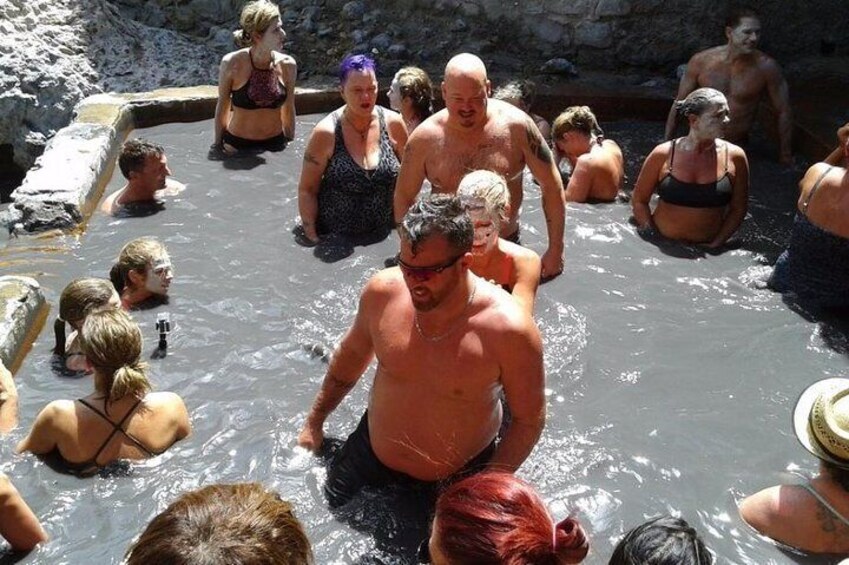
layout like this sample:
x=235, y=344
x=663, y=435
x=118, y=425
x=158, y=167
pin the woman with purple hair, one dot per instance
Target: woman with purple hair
x=352, y=160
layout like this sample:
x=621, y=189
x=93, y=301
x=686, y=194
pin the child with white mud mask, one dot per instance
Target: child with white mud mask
x=512, y=267
x=143, y=271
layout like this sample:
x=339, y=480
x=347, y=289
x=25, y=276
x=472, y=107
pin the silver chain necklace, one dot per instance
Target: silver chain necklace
x=453, y=326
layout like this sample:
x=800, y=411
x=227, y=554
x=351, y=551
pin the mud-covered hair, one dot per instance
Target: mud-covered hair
x=485, y=190
x=698, y=101
x=438, y=215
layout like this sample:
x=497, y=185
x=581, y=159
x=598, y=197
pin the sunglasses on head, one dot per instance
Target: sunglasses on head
x=424, y=273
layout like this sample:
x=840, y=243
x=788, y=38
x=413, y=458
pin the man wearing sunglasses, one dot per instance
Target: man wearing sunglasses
x=475, y=132
x=447, y=343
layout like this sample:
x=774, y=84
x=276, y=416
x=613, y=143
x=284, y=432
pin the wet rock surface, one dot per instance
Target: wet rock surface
x=21, y=301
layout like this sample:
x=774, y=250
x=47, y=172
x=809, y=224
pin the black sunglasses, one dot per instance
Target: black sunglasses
x=424, y=273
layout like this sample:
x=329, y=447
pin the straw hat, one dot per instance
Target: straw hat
x=821, y=420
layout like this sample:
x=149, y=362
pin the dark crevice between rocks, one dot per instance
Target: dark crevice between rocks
x=11, y=175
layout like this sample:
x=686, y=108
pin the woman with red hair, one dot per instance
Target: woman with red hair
x=497, y=518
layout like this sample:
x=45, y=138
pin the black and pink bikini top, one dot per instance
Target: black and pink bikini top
x=692, y=194
x=263, y=90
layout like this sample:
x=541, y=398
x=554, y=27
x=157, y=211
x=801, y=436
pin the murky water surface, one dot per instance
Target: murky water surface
x=670, y=374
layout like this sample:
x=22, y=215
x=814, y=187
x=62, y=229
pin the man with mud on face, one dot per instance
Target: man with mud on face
x=475, y=132
x=447, y=344
x=744, y=74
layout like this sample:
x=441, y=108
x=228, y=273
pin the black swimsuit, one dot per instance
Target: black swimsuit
x=353, y=200
x=91, y=466
x=263, y=90
x=692, y=194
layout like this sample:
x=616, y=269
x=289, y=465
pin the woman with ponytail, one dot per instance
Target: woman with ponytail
x=79, y=299
x=143, y=271
x=121, y=419
x=256, y=87
x=495, y=518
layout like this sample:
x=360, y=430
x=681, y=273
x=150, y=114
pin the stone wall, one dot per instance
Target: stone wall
x=53, y=53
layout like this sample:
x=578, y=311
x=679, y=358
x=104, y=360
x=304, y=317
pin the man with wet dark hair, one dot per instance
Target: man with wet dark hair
x=145, y=167
x=744, y=74
x=475, y=132
x=447, y=342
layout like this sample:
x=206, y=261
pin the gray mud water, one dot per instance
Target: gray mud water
x=671, y=374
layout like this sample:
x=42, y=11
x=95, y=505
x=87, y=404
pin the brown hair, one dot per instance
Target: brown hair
x=135, y=256
x=257, y=16
x=737, y=14
x=577, y=118
x=134, y=153
x=112, y=343
x=78, y=300
x=240, y=523
x=413, y=83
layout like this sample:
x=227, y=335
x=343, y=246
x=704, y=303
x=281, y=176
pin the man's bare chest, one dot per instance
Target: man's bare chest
x=740, y=83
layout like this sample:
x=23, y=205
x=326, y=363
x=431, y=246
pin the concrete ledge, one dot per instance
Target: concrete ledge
x=65, y=183
x=22, y=314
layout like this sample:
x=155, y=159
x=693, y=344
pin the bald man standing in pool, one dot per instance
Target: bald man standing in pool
x=474, y=132
x=446, y=342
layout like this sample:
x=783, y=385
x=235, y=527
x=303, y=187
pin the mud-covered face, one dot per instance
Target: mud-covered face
x=273, y=37
x=713, y=121
x=486, y=231
x=745, y=35
x=158, y=275
x=394, y=94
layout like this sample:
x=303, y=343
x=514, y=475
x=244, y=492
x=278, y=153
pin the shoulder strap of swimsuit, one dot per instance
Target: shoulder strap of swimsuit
x=726, y=159
x=825, y=503
x=814, y=189
x=671, y=155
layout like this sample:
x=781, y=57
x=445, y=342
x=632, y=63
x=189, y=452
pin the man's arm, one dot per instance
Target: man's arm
x=411, y=176
x=18, y=524
x=689, y=83
x=347, y=365
x=780, y=98
x=523, y=379
x=540, y=161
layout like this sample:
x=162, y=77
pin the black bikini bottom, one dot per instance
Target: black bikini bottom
x=276, y=143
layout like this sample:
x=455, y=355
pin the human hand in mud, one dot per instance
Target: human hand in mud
x=311, y=437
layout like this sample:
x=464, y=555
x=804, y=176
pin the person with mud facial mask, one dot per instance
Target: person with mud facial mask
x=143, y=271
x=514, y=268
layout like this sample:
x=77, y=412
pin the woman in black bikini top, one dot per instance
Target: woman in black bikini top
x=702, y=181
x=256, y=87
x=121, y=419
